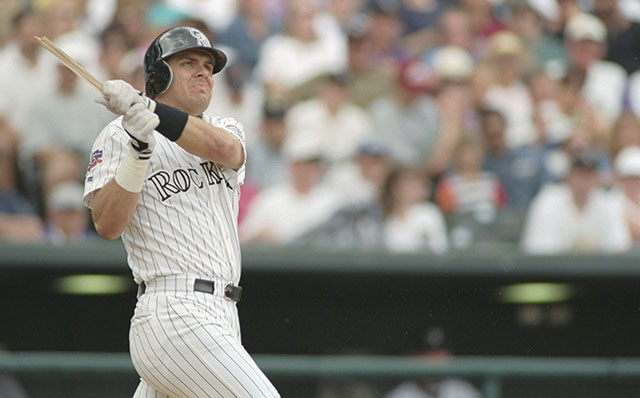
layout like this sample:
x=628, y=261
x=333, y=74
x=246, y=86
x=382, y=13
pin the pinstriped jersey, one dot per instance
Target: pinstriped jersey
x=185, y=221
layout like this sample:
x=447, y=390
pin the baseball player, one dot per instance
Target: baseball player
x=166, y=178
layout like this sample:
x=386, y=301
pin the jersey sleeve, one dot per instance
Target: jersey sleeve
x=106, y=155
x=237, y=129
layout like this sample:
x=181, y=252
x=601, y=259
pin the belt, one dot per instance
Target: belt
x=172, y=284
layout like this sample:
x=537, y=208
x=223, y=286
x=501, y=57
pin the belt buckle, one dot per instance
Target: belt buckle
x=232, y=292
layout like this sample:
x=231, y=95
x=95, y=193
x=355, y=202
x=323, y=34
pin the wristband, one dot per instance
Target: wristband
x=172, y=121
x=132, y=172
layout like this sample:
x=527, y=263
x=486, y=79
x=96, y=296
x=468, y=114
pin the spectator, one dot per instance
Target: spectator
x=601, y=82
x=521, y=169
x=114, y=46
x=411, y=223
x=368, y=80
x=454, y=29
x=312, y=44
x=468, y=188
x=575, y=216
x=546, y=49
x=67, y=220
x=268, y=165
x=57, y=131
x=623, y=35
x=484, y=22
x=385, y=34
x=625, y=132
x=18, y=220
x=454, y=95
x=282, y=213
x=248, y=30
x=217, y=15
x=627, y=168
x=436, y=347
x=338, y=124
x=28, y=71
x=408, y=118
x=508, y=93
x=361, y=180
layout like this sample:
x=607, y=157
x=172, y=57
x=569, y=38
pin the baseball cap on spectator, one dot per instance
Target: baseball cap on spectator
x=505, y=43
x=416, y=76
x=303, y=148
x=373, y=147
x=66, y=196
x=585, y=26
x=627, y=162
x=274, y=109
x=453, y=63
x=587, y=160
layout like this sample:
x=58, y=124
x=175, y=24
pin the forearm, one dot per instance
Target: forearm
x=112, y=209
x=211, y=143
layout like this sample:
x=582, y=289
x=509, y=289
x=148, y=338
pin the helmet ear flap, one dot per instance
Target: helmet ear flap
x=158, y=79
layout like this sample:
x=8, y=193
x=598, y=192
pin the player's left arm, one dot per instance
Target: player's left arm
x=212, y=143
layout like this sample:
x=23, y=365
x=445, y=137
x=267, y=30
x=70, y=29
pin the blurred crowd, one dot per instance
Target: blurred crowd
x=409, y=125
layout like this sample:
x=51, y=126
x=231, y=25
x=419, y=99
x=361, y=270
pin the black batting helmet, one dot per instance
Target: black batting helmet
x=157, y=73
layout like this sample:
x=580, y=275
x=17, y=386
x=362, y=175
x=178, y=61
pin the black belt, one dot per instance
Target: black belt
x=231, y=291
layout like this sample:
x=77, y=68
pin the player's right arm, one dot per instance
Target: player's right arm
x=112, y=209
x=114, y=203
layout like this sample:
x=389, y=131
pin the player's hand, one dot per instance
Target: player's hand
x=118, y=96
x=139, y=122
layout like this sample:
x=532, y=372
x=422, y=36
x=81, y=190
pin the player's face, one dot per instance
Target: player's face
x=192, y=83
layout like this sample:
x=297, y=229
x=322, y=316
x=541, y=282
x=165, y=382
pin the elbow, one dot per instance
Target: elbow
x=228, y=154
x=108, y=231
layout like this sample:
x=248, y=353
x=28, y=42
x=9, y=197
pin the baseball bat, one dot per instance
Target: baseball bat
x=70, y=62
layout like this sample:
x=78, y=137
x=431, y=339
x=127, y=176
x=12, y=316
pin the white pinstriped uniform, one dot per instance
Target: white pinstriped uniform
x=183, y=343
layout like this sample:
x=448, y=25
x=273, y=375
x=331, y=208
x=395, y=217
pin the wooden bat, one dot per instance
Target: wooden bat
x=70, y=62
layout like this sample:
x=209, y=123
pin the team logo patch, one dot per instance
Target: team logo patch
x=200, y=38
x=95, y=159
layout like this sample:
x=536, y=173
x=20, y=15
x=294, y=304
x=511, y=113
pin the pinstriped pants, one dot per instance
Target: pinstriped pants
x=187, y=345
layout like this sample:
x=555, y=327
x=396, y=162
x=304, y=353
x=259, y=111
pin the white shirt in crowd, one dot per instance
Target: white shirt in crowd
x=340, y=134
x=288, y=62
x=422, y=228
x=286, y=214
x=554, y=225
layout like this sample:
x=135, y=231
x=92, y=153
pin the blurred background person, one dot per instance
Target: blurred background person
x=269, y=165
x=575, y=215
x=28, y=71
x=411, y=222
x=19, y=221
x=627, y=169
x=248, y=30
x=67, y=220
x=623, y=34
x=436, y=346
x=338, y=124
x=407, y=118
x=58, y=134
x=624, y=133
x=312, y=44
x=508, y=92
x=521, y=170
x=281, y=213
x=368, y=80
x=601, y=82
x=468, y=188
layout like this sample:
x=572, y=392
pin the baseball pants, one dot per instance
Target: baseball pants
x=186, y=344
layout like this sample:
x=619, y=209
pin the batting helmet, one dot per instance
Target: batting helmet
x=157, y=73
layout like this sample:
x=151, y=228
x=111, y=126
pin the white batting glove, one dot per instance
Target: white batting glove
x=118, y=96
x=139, y=122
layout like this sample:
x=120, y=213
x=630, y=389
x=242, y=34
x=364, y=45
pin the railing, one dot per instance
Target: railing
x=492, y=371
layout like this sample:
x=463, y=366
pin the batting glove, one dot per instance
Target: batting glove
x=118, y=96
x=139, y=122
